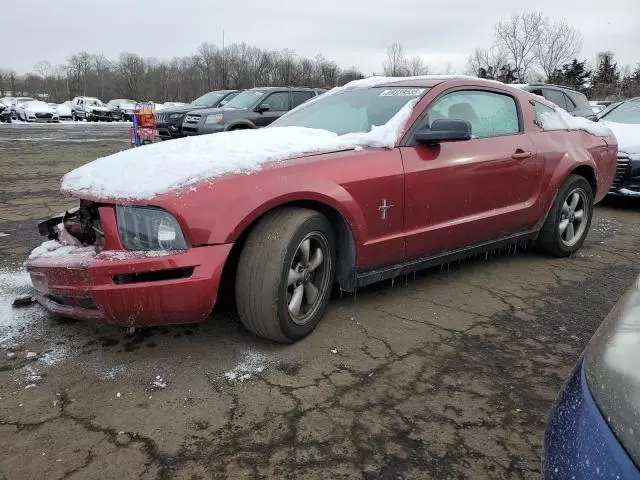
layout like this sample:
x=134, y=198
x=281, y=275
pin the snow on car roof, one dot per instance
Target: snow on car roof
x=152, y=170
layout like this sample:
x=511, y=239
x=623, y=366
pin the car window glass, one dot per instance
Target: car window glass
x=278, y=102
x=571, y=106
x=299, y=97
x=627, y=112
x=490, y=114
x=539, y=110
x=556, y=97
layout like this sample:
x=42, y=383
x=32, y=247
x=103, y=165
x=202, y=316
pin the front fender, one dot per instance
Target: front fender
x=220, y=211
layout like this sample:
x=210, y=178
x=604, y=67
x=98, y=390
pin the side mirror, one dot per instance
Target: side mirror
x=444, y=130
x=263, y=107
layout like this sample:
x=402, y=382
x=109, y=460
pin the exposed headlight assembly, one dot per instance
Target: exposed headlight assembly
x=216, y=119
x=149, y=228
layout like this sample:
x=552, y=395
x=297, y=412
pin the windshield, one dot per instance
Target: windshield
x=93, y=102
x=24, y=100
x=352, y=110
x=245, y=99
x=210, y=99
x=627, y=112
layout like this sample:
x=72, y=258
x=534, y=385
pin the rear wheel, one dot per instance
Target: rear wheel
x=285, y=274
x=569, y=219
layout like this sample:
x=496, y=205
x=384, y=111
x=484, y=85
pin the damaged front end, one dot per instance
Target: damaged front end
x=77, y=227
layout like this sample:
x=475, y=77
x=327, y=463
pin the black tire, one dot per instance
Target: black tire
x=262, y=295
x=74, y=117
x=550, y=240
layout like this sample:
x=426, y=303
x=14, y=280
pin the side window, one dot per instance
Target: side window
x=540, y=110
x=278, y=102
x=490, y=114
x=299, y=97
x=556, y=97
x=571, y=106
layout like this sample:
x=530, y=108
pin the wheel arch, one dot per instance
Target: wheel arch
x=589, y=174
x=240, y=125
x=345, y=242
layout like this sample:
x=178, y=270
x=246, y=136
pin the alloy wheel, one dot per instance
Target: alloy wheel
x=308, y=277
x=573, y=217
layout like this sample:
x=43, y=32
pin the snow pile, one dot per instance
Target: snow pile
x=252, y=364
x=55, y=249
x=562, y=120
x=628, y=136
x=159, y=383
x=159, y=168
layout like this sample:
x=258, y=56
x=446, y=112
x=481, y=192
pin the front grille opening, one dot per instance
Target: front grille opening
x=160, y=275
x=78, y=302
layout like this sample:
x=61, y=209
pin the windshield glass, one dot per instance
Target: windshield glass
x=210, y=99
x=352, y=110
x=93, y=102
x=245, y=99
x=627, y=112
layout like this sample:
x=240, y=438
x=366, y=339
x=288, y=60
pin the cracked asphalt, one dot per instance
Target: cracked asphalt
x=448, y=374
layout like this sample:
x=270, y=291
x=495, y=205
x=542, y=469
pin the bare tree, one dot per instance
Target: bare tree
x=131, y=68
x=416, y=66
x=486, y=62
x=519, y=37
x=559, y=43
x=395, y=64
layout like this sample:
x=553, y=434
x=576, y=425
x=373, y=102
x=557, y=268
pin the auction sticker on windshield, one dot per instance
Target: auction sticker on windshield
x=402, y=92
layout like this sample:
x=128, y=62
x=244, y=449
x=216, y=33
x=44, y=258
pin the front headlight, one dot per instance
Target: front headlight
x=176, y=115
x=217, y=118
x=149, y=228
x=611, y=367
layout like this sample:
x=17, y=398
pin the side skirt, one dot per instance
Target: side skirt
x=392, y=271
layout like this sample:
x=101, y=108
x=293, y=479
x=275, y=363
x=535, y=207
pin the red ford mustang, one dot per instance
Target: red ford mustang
x=447, y=167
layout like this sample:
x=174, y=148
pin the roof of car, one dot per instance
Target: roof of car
x=268, y=89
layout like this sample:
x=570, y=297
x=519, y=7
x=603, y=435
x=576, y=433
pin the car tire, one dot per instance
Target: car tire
x=74, y=117
x=569, y=219
x=283, y=284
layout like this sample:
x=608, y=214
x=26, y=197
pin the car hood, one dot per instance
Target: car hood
x=229, y=113
x=628, y=136
x=185, y=109
x=38, y=108
x=160, y=168
x=97, y=108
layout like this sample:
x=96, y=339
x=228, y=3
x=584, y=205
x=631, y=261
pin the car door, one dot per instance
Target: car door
x=278, y=105
x=298, y=97
x=458, y=194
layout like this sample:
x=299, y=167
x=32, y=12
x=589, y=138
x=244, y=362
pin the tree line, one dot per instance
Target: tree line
x=531, y=47
x=183, y=79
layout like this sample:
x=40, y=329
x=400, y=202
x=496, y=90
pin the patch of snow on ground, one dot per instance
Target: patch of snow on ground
x=252, y=364
x=161, y=167
x=159, y=382
x=113, y=372
x=4, y=234
x=12, y=284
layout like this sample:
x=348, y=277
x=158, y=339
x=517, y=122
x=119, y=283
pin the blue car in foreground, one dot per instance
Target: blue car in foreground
x=594, y=427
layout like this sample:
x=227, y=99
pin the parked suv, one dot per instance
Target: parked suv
x=91, y=109
x=572, y=101
x=169, y=120
x=122, y=109
x=253, y=108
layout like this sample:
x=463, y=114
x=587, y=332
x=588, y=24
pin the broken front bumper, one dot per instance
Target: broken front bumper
x=131, y=288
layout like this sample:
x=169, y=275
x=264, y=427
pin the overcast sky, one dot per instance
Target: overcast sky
x=351, y=32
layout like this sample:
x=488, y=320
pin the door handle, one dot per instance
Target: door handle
x=520, y=155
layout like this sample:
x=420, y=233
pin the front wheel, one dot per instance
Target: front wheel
x=285, y=274
x=569, y=219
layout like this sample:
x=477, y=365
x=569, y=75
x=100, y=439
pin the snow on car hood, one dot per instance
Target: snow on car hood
x=628, y=136
x=38, y=107
x=145, y=172
x=560, y=119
